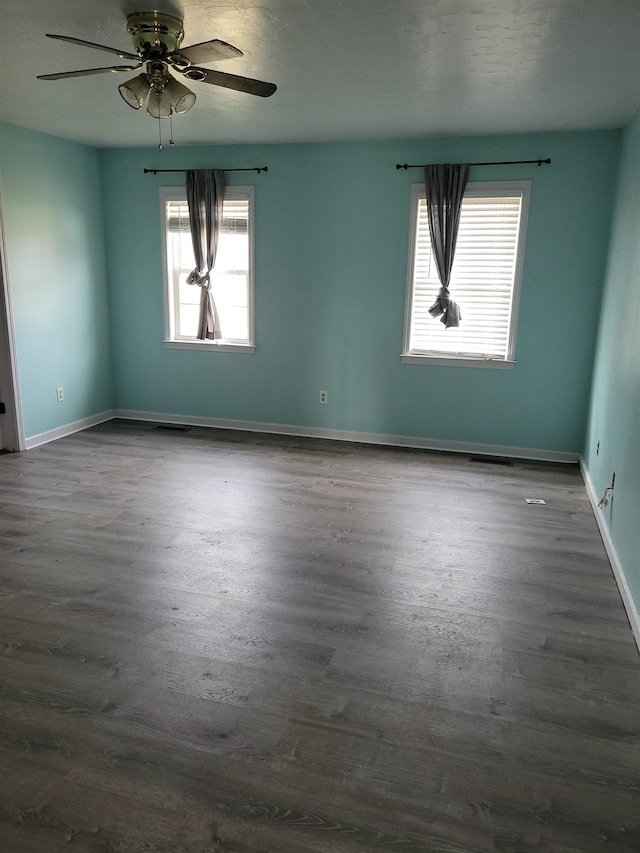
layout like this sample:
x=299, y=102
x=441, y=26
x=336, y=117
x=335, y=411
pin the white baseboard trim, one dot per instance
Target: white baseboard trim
x=612, y=554
x=67, y=429
x=349, y=435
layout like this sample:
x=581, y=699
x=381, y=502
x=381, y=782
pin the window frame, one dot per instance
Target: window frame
x=477, y=189
x=169, y=292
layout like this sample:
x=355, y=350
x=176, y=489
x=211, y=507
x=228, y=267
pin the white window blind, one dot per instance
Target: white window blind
x=230, y=279
x=484, y=279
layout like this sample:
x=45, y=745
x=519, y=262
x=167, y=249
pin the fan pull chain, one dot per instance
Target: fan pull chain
x=171, y=142
x=159, y=134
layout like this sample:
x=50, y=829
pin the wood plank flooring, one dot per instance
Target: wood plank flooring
x=216, y=642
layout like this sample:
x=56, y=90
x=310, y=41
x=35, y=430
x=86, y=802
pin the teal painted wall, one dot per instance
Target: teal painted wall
x=52, y=204
x=614, y=418
x=331, y=259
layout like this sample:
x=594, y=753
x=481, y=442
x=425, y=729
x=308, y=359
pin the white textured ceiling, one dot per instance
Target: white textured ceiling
x=345, y=69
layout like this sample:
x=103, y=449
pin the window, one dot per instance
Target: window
x=485, y=279
x=231, y=278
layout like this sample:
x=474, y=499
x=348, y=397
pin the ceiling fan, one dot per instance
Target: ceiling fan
x=156, y=39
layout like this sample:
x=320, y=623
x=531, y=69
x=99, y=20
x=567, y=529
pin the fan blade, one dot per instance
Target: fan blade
x=64, y=74
x=230, y=81
x=206, y=51
x=121, y=53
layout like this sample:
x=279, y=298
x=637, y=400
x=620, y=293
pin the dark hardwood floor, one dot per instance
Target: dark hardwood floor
x=214, y=642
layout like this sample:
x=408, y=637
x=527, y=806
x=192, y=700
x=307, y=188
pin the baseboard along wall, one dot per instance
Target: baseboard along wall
x=68, y=429
x=612, y=554
x=353, y=436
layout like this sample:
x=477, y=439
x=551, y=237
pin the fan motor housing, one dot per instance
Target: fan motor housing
x=155, y=30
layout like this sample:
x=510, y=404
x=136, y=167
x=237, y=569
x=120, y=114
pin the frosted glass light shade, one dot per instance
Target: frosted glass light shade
x=159, y=105
x=135, y=91
x=182, y=99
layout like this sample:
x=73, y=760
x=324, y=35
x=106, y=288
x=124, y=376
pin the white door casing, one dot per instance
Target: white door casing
x=11, y=426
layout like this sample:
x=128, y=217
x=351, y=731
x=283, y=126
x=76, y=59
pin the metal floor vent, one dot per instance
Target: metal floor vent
x=492, y=460
x=173, y=427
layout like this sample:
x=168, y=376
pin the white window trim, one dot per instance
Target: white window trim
x=477, y=189
x=208, y=345
x=170, y=341
x=453, y=361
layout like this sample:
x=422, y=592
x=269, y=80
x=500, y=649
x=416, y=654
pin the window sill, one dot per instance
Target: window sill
x=453, y=361
x=211, y=346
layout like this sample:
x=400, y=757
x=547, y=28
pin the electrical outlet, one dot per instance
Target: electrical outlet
x=323, y=396
x=60, y=394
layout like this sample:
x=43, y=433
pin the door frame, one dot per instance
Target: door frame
x=11, y=424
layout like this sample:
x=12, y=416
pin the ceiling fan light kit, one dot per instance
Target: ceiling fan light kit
x=167, y=96
x=157, y=40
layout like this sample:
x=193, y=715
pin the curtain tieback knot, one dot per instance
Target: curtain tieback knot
x=445, y=308
x=442, y=302
x=202, y=280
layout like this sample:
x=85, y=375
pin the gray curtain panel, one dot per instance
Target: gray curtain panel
x=445, y=185
x=205, y=194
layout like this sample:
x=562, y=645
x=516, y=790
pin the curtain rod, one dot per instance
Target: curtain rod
x=496, y=163
x=249, y=169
